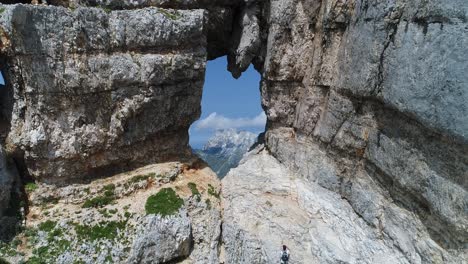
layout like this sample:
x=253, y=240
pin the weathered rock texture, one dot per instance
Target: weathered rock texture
x=272, y=206
x=92, y=92
x=161, y=239
x=367, y=99
x=366, y=106
x=9, y=197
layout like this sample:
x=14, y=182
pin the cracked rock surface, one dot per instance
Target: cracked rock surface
x=95, y=92
x=366, y=103
x=366, y=151
x=266, y=205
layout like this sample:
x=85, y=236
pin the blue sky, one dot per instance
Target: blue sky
x=228, y=103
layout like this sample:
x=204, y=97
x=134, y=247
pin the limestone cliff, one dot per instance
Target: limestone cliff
x=89, y=94
x=366, y=103
x=365, y=157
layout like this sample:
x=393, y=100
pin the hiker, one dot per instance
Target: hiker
x=284, y=255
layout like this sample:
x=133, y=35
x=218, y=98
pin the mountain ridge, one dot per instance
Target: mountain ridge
x=225, y=149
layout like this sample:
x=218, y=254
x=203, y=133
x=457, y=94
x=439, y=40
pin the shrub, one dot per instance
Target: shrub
x=47, y=226
x=193, y=187
x=103, y=230
x=30, y=187
x=165, y=202
x=140, y=178
x=3, y=261
x=98, y=201
x=109, y=187
x=212, y=191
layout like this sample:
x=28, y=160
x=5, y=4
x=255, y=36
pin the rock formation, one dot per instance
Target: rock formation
x=93, y=94
x=365, y=157
x=366, y=102
x=10, y=215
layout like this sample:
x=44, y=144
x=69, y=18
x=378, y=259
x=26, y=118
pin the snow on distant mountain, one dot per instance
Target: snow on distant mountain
x=225, y=149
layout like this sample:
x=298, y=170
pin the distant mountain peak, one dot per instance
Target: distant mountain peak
x=226, y=148
x=230, y=138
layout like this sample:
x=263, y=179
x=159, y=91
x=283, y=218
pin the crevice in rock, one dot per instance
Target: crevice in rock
x=11, y=217
x=392, y=28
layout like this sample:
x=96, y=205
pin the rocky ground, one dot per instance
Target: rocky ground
x=266, y=205
x=105, y=221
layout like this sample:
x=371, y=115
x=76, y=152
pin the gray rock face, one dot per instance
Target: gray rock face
x=127, y=4
x=162, y=239
x=266, y=205
x=8, y=197
x=366, y=106
x=6, y=181
x=367, y=100
x=94, y=92
x=206, y=230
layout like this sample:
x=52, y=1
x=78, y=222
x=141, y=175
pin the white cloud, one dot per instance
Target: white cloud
x=215, y=121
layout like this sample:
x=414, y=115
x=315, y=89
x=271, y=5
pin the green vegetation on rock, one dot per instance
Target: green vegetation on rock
x=103, y=230
x=193, y=187
x=109, y=190
x=212, y=191
x=165, y=202
x=140, y=178
x=47, y=226
x=102, y=200
x=171, y=15
x=98, y=201
x=56, y=244
x=7, y=249
x=30, y=187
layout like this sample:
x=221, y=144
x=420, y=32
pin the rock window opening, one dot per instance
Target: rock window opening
x=231, y=119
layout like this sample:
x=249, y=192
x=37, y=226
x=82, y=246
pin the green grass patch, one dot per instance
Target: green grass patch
x=30, y=187
x=165, y=202
x=109, y=190
x=127, y=214
x=47, y=226
x=193, y=187
x=56, y=233
x=49, y=253
x=99, y=201
x=140, y=178
x=8, y=249
x=212, y=191
x=104, y=213
x=2, y=9
x=103, y=230
x=102, y=200
x=30, y=232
